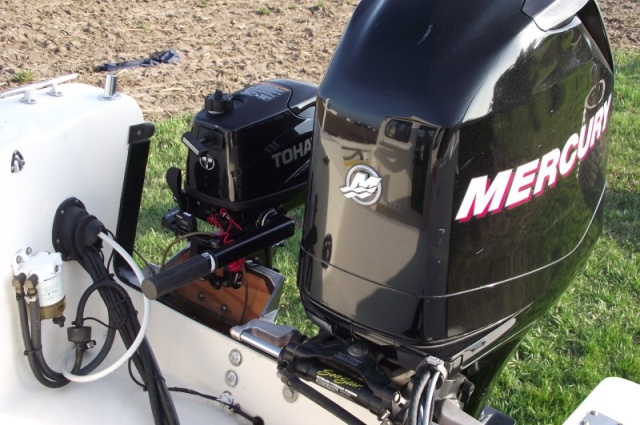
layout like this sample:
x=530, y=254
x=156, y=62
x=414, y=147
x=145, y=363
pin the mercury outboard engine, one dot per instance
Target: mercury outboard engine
x=457, y=186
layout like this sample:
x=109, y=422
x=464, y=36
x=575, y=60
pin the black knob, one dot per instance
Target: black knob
x=218, y=102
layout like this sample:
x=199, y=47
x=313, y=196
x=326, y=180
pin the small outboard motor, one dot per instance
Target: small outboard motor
x=457, y=177
x=248, y=152
x=248, y=163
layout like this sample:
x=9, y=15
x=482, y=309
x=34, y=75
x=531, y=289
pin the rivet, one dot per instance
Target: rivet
x=231, y=378
x=289, y=394
x=235, y=357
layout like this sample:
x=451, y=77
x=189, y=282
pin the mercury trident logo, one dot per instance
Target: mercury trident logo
x=363, y=185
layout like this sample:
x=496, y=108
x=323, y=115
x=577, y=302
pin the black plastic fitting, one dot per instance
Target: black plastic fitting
x=79, y=334
x=74, y=229
x=218, y=102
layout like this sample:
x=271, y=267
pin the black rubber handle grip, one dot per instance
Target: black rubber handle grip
x=171, y=279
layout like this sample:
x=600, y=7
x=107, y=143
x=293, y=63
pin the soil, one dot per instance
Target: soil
x=224, y=44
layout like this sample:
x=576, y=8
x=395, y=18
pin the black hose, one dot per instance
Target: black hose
x=34, y=364
x=417, y=392
x=122, y=317
x=429, y=401
x=124, y=314
x=102, y=354
x=108, y=342
x=36, y=341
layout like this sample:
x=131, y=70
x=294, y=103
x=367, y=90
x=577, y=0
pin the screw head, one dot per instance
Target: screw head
x=235, y=357
x=289, y=394
x=384, y=415
x=231, y=378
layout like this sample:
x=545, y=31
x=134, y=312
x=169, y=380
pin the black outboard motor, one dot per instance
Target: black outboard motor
x=457, y=178
x=248, y=163
x=248, y=152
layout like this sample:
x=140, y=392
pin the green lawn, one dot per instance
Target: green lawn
x=593, y=332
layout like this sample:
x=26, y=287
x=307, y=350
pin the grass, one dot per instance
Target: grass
x=594, y=330
x=26, y=76
x=167, y=151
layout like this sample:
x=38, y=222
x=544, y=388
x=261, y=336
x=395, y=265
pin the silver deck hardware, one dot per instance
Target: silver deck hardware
x=110, y=88
x=25, y=91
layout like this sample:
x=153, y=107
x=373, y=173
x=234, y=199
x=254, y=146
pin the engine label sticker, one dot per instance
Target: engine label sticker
x=266, y=91
x=363, y=185
x=514, y=187
x=337, y=383
x=288, y=155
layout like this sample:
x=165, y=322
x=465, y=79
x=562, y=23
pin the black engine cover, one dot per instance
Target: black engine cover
x=457, y=170
x=258, y=151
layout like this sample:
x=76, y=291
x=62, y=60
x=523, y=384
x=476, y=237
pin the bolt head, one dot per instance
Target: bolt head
x=235, y=357
x=231, y=378
x=289, y=394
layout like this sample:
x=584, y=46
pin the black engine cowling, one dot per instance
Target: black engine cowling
x=457, y=172
x=252, y=149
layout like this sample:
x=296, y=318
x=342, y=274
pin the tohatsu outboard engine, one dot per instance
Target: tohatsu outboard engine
x=248, y=153
x=456, y=187
x=248, y=162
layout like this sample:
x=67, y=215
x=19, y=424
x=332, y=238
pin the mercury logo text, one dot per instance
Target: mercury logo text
x=514, y=187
